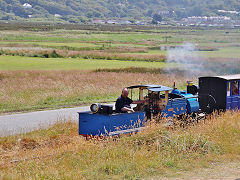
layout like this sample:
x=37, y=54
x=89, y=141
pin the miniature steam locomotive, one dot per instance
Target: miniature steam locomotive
x=213, y=93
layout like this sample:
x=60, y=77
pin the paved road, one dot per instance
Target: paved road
x=27, y=122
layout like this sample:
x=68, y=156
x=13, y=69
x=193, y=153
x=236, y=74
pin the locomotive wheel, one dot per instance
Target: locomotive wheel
x=180, y=121
x=184, y=121
x=177, y=120
x=207, y=103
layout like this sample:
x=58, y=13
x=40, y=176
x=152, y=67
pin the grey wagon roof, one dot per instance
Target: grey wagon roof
x=162, y=88
x=230, y=77
x=146, y=86
x=155, y=88
x=226, y=77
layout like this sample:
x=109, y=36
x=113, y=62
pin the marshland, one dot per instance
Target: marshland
x=63, y=67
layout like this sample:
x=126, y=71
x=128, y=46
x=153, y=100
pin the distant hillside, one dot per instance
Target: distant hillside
x=83, y=10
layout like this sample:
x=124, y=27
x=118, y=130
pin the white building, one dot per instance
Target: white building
x=27, y=6
x=57, y=15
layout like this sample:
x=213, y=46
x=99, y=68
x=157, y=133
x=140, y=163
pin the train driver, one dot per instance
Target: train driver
x=123, y=103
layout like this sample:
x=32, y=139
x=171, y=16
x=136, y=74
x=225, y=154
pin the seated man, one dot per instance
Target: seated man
x=123, y=102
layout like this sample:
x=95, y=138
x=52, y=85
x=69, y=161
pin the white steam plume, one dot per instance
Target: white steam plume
x=187, y=58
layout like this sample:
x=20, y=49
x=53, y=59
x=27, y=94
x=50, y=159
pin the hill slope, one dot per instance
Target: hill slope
x=82, y=10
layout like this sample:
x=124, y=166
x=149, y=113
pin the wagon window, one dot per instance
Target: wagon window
x=228, y=89
x=235, y=88
x=162, y=94
x=134, y=94
x=145, y=93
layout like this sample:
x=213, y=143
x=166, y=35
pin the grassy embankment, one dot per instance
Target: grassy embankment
x=60, y=152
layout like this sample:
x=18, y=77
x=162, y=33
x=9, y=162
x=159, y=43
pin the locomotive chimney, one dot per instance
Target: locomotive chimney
x=191, y=88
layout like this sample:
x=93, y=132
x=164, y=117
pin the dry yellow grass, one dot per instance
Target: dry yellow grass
x=116, y=56
x=28, y=90
x=120, y=53
x=60, y=153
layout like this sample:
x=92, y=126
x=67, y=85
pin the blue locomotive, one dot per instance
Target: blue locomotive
x=162, y=102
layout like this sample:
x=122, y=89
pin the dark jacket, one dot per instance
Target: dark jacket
x=122, y=102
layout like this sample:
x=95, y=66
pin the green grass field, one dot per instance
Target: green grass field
x=50, y=44
x=176, y=36
x=32, y=63
x=128, y=52
x=227, y=43
x=224, y=52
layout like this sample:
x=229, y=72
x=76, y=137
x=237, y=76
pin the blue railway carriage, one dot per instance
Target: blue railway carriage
x=219, y=93
x=97, y=124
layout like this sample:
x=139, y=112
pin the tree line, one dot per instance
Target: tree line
x=81, y=11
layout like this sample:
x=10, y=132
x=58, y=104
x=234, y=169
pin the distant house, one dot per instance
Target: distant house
x=124, y=22
x=111, y=22
x=27, y=6
x=57, y=15
x=141, y=23
x=230, y=12
x=212, y=21
x=121, y=22
x=98, y=21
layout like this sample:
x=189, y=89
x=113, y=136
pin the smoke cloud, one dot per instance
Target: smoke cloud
x=187, y=59
x=189, y=63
